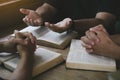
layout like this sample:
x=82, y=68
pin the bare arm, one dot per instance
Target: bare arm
x=83, y=25
x=116, y=38
x=98, y=41
x=26, y=48
x=8, y=46
x=104, y=18
x=24, y=68
x=42, y=14
x=46, y=11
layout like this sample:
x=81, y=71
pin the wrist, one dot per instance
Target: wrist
x=100, y=21
x=27, y=55
x=40, y=13
x=115, y=51
x=72, y=26
x=37, y=12
x=8, y=47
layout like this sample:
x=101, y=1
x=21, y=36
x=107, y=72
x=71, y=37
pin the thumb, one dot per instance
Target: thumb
x=47, y=24
x=99, y=27
x=18, y=34
x=102, y=28
x=24, y=11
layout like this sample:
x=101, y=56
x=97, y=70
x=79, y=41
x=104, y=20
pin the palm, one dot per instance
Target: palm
x=60, y=26
x=32, y=17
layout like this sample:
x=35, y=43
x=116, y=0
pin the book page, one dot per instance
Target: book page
x=47, y=37
x=45, y=34
x=42, y=56
x=44, y=59
x=56, y=38
x=6, y=56
x=79, y=55
x=36, y=31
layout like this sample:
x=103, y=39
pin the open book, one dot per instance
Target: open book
x=5, y=56
x=50, y=38
x=79, y=58
x=44, y=60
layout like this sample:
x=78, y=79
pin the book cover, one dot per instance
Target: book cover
x=79, y=58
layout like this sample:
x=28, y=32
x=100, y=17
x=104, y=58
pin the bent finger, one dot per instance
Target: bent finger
x=20, y=41
x=87, y=40
x=90, y=51
x=86, y=46
x=51, y=26
x=92, y=36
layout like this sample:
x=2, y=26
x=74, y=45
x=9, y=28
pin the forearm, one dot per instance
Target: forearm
x=115, y=52
x=108, y=18
x=116, y=38
x=24, y=69
x=104, y=18
x=46, y=11
x=7, y=46
x=84, y=24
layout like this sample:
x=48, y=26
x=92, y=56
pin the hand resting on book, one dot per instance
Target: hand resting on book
x=25, y=44
x=98, y=41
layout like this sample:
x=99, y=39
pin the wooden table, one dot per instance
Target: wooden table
x=60, y=72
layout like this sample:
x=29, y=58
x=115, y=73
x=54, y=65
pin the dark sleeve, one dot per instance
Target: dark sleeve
x=111, y=6
x=55, y=3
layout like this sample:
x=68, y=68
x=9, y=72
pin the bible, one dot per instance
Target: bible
x=49, y=38
x=5, y=57
x=44, y=60
x=79, y=58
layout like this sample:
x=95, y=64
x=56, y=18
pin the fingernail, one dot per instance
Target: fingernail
x=90, y=28
x=100, y=25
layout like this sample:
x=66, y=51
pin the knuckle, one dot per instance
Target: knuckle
x=82, y=38
x=87, y=32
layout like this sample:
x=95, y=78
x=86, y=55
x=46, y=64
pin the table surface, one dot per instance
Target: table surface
x=60, y=72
